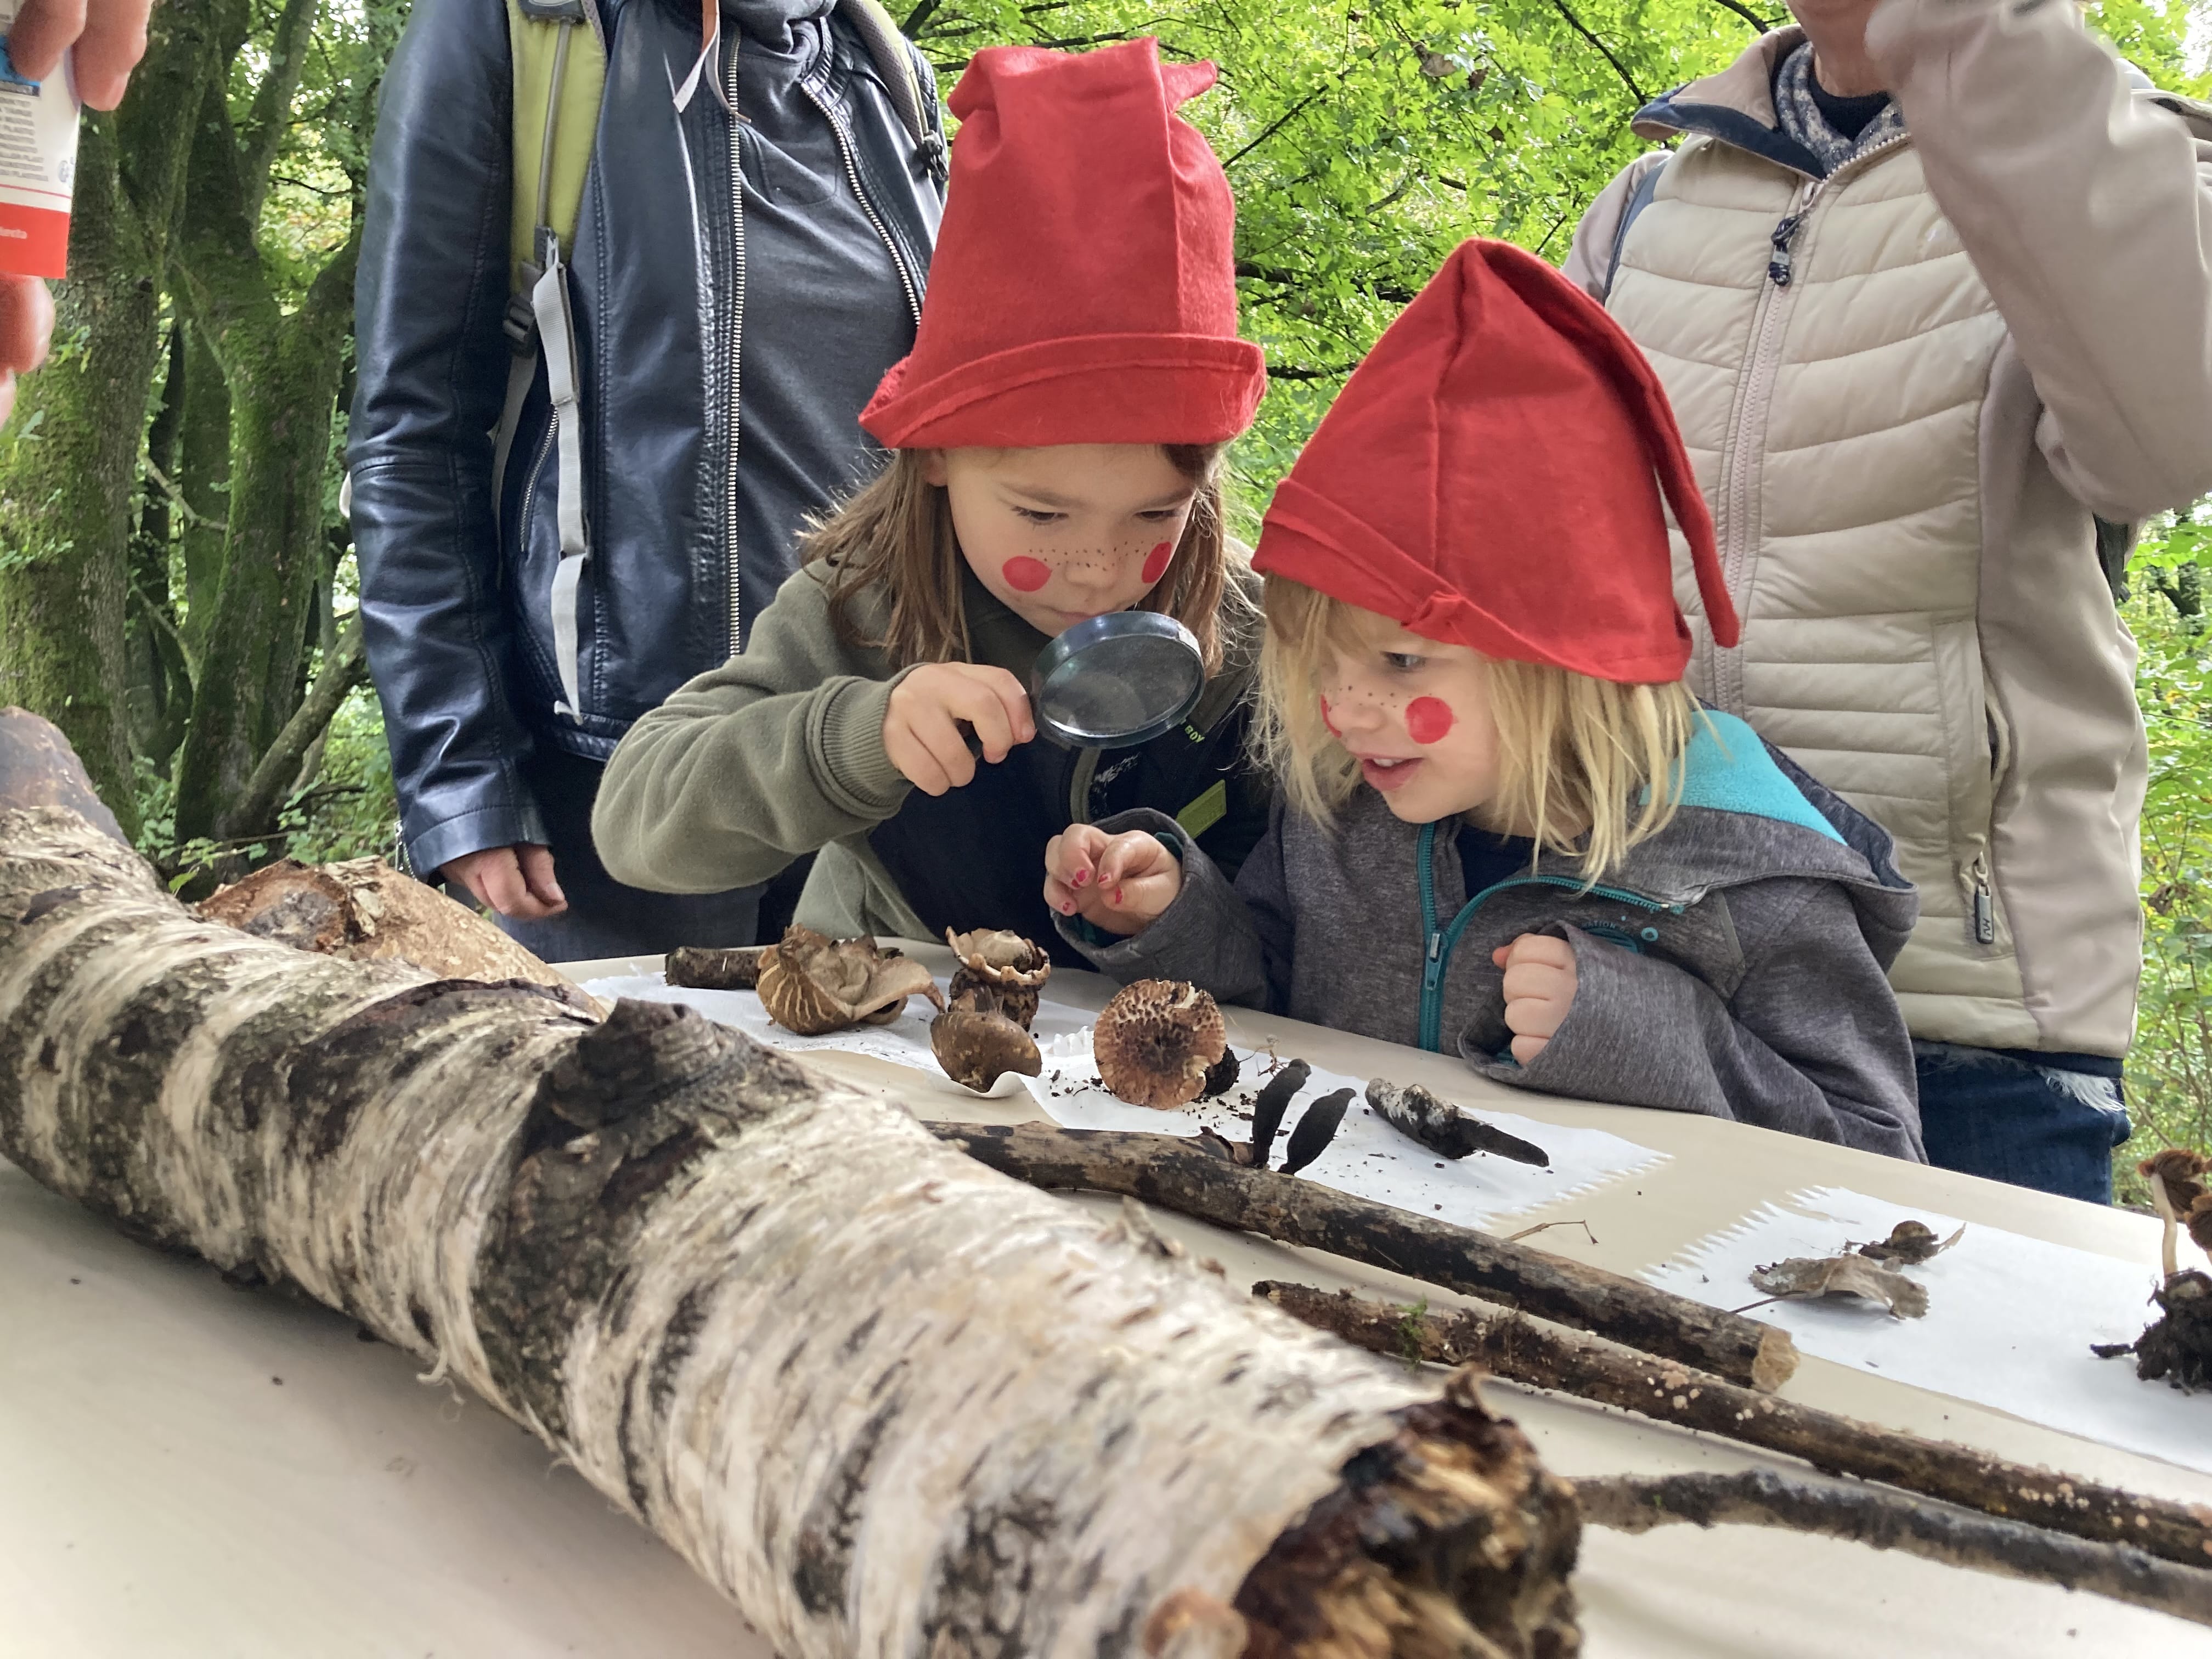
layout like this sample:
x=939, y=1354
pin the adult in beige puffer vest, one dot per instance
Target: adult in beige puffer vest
x=1930, y=288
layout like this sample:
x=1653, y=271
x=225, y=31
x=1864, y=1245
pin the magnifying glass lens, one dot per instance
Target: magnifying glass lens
x=1118, y=681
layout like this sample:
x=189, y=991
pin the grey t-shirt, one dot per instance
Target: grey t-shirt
x=825, y=310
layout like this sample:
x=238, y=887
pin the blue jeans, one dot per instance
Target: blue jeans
x=2018, y=1117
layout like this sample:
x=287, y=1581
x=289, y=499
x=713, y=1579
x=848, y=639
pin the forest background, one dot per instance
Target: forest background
x=177, y=583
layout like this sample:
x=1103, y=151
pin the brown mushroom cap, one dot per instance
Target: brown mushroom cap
x=999, y=972
x=812, y=985
x=977, y=1049
x=1154, y=1042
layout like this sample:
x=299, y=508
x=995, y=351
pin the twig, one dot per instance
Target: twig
x=1890, y=1521
x=1618, y=68
x=193, y=515
x=277, y=771
x=1545, y=1226
x=1543, y=1356
x=1748, y=16
x=1274, y=126
x=1178, y=1174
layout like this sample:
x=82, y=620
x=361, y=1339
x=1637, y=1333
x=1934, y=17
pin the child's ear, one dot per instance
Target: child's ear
x=933, y=470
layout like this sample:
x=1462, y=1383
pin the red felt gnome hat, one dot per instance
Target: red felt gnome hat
x=1084, y=287
x=1486, y=478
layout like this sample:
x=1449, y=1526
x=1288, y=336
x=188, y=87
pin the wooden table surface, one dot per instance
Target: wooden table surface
x=186, y=1470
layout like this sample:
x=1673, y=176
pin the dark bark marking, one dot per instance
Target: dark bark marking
x=49, y=1055
x=792, y=1359
x=43, y=905
x=822, y=1564
x=639, y=1177
x=981, y=1587
x=677, y=1342
x=858, y=1338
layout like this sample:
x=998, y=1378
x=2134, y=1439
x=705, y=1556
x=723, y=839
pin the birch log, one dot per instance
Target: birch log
x=888, y=1401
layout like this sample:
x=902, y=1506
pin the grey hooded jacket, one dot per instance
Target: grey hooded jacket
x=1733, y=965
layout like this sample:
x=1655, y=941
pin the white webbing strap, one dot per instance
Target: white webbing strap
x=556, y=338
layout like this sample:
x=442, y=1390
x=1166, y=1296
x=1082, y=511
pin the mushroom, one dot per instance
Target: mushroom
x=1221, y=1076
x=1156, y=1041
x=977, y=1046
x=812, y=985
x=1315, y=1131
x=999, y=971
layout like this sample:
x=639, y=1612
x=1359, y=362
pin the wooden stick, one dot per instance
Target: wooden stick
x=1514, y=1346
x=1885, y=1520
x=886, y=1400
x=1177, y=1174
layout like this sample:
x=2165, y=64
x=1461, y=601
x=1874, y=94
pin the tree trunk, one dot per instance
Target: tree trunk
x=149, y=631
x=889, y=1402
x=203, y=475
x=282, y=374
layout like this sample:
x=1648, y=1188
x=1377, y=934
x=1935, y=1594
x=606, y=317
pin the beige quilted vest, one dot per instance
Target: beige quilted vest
x=1835, y=424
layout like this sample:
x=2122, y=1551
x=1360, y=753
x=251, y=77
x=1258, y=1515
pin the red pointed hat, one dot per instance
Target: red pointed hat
x=1084, y=288
x=1491, y=476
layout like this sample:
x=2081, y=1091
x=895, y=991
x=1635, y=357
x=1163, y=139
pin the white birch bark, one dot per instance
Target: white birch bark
x=888, y=1401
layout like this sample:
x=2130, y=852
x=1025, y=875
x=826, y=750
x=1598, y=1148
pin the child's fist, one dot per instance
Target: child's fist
x=936, y=709
x=1119, y=883
x=1540, y=988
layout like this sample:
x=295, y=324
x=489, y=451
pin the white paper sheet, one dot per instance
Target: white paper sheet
x=1368, y=1159
x=904, y=1042
x=2009, y=1320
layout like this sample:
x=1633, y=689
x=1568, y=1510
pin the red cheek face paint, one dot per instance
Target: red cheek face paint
x=1429, y=719
x=1025, y=575
x=1329, y=720
x=1156, y=563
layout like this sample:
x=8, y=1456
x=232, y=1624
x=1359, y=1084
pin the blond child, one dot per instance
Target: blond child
x=1508, y=827
x=1056, y=438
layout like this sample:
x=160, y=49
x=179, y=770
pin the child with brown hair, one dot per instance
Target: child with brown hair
x=1056, y=435
x=1508, y=826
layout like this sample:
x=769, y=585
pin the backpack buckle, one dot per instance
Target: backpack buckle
x=520, y=323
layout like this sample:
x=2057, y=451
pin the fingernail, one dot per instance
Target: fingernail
x=1068, y=907
x=1081, y=877
x=1117, y=896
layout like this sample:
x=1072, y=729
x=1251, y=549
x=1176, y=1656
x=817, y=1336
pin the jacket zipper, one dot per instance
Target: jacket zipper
x=529, y=489
x=853, y=177
x=1440, y=943
x=1737, y=522
x=730, y=549
x=1982, y=915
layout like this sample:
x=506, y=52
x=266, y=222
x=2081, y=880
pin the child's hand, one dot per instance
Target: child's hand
x=1540, y=988
x=1119, y=883
x=923, y=730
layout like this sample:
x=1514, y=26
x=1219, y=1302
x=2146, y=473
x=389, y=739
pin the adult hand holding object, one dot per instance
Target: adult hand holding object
x=110, y=38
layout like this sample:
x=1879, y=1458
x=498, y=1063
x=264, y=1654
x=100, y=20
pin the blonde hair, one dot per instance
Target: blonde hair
x=897, y=530
x=1589, y=768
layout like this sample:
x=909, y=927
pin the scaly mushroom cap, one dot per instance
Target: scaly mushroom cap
x=978, y=1049
x=812, y=985
x=1154, y=1042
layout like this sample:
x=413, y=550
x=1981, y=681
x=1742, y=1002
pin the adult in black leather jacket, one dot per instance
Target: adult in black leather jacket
x=802, y=285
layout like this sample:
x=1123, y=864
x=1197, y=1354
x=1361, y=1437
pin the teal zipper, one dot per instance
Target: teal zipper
x=1441, y=943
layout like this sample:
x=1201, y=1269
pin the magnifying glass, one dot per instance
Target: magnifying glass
x=1117, y=680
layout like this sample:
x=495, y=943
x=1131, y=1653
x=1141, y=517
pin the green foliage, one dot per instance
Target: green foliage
x=2170, y=1071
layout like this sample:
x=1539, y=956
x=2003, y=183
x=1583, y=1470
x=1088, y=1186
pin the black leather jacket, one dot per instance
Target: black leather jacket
x=457, y=614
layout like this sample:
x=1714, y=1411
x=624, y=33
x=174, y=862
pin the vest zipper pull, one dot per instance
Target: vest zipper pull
x=1984, y=907
x=1778, y=264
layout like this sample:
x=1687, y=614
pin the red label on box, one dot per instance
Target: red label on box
x=33, y=242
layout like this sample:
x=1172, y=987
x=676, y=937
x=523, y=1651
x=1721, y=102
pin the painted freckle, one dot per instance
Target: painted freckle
x=1429, y=719
x=1156, y=563
x=1025, y=575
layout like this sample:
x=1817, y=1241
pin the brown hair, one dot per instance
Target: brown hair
x=897, y=530
x=1577, y=754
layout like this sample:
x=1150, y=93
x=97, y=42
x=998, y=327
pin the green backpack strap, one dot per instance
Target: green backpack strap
x=558, y=53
